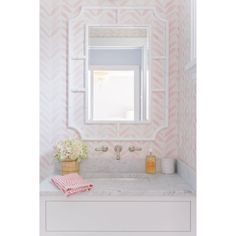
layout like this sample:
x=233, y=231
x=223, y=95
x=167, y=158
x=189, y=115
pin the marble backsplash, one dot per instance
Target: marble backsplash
x=111, y=165
x=129, y=165
x=187, y=173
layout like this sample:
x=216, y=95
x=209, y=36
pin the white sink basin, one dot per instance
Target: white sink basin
x=116, y=179
x=115, y=176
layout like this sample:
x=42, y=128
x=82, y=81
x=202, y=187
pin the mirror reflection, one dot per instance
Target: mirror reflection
x=118, y=78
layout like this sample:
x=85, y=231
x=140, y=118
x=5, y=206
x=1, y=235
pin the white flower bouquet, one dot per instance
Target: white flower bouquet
x=71, y=149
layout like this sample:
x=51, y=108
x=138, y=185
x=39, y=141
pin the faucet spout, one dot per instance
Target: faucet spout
x=118, y=149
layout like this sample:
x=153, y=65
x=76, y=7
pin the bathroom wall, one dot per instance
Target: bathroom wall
x=54, y=16
x=187, y=90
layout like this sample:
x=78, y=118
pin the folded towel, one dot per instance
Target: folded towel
x=71, y=183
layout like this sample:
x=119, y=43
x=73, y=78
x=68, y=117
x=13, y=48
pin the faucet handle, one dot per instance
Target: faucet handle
x=101, y=149
x=132, y=148
x=118, y=149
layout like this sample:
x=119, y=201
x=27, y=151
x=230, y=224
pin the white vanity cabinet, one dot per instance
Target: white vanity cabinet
x=117, y=216
x=93, y=214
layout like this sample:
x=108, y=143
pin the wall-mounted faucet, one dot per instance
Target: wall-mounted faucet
x=118, y=149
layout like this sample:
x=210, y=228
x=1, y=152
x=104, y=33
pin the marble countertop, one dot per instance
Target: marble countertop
x=106, y=184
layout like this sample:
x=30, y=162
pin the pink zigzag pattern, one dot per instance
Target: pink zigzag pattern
x=54, y=17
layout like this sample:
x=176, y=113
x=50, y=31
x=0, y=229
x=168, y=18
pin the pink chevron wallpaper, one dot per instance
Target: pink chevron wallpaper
x=170, y=142
x=187, y=90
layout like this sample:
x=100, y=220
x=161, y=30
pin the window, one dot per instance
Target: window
x=114, y=93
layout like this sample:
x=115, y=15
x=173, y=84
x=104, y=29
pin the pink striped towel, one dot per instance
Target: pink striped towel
x=71, y=183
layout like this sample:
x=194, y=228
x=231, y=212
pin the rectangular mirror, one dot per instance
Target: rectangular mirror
x=118, y=74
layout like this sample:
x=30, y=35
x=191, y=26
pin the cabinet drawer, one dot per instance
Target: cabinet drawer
x=118, y=216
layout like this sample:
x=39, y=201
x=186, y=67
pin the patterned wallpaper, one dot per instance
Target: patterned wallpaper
x=54, y=15
x=187, y=91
